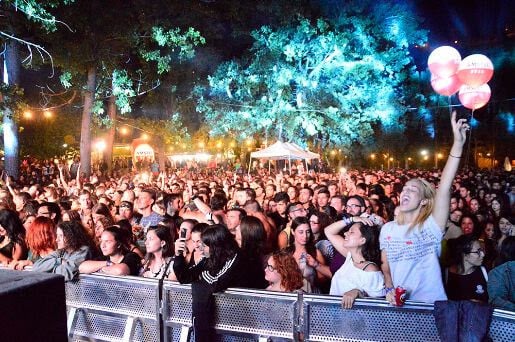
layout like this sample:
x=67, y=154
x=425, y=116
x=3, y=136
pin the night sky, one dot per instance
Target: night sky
x=473, y=23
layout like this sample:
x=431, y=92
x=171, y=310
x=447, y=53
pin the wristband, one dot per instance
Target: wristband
x=388, y=289
x=450, y=155
x=347, y=220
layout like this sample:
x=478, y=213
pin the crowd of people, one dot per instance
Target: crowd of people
x=359, y=233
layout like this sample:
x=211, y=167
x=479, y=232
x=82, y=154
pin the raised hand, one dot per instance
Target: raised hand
x=459, y=129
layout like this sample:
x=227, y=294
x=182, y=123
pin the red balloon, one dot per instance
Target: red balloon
x=445, y=85
x=474, y=98
x=444, y=61
x=475, y=70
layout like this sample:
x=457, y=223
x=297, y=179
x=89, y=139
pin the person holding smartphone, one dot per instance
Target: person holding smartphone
x=220, y=269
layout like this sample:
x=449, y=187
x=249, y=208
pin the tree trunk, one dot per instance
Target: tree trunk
x=85, y=132
x=108, y=153
x=11, y=76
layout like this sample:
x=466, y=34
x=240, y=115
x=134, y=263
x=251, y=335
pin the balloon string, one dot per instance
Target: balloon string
x=467, y=158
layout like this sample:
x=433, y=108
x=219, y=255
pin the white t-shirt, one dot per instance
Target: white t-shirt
x=349, y=277
x=414, y=259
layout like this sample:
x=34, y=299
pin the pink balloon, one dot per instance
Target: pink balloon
x=444, y=61
x=445, y=85
x=474, y=98
x=475, y=70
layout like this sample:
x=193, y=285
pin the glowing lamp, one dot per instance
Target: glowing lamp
x=445, y=85
x=474, y=98
x=475, y=70
x=444, y=61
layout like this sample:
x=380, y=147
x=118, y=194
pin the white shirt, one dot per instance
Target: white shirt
x=414, y=259
x=349, y=277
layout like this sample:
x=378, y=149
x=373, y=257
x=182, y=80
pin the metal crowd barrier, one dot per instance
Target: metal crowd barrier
x=109, y=308
x=105, y=308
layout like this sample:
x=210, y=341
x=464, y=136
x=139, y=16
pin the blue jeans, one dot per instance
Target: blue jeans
x=463, y=321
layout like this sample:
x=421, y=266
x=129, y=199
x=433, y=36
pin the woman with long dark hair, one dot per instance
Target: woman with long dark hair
x=12, y=237
x=117, y=259
x=74, y=246
x=360, y=275
x=250, y=236
x=221, y=268
x=158, y=244
x=310, y=260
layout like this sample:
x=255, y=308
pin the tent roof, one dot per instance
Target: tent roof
x=282, y=150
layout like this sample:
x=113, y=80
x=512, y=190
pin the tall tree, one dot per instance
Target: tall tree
x=14, y=15
x=115, y=53
x=325, y=81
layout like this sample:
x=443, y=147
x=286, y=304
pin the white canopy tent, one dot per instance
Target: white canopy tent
x=284, y=151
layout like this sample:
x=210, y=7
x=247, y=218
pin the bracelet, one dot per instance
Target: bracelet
x=347, y=220
x=388, y=289
x=450, y=155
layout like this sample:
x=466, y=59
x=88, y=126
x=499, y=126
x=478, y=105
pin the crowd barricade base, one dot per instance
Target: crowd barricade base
x=108, y=308
x=105, y=308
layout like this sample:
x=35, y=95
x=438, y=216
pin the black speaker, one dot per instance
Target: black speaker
x=32, y=307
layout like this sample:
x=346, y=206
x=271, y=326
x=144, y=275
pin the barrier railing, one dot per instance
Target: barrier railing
x=128, y=309
x=108, y=308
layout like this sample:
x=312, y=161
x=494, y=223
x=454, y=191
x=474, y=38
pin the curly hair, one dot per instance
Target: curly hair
x=41, y=235
x=76, y=236
x=288, y=269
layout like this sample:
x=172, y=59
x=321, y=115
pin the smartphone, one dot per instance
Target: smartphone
x=464, y=115
x=182, y=233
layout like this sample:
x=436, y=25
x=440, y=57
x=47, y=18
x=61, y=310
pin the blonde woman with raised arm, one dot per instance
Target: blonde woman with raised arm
x=410, y=245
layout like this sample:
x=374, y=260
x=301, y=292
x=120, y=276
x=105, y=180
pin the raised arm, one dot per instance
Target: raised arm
x=443, y=194
x=79, y=185
x=332, y=232
x=64, y=184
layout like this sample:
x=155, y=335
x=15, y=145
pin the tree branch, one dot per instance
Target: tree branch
x=41, y=50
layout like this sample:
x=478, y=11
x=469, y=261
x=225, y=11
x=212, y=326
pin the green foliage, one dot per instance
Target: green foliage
x=11, y=98
x=37, y=11
x=179, y=44
x=333, y=82
x=123, y=90
x=65, y=78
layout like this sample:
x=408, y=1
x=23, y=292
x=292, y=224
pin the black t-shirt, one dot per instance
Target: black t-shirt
x=132, y=260
x=466, y=287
